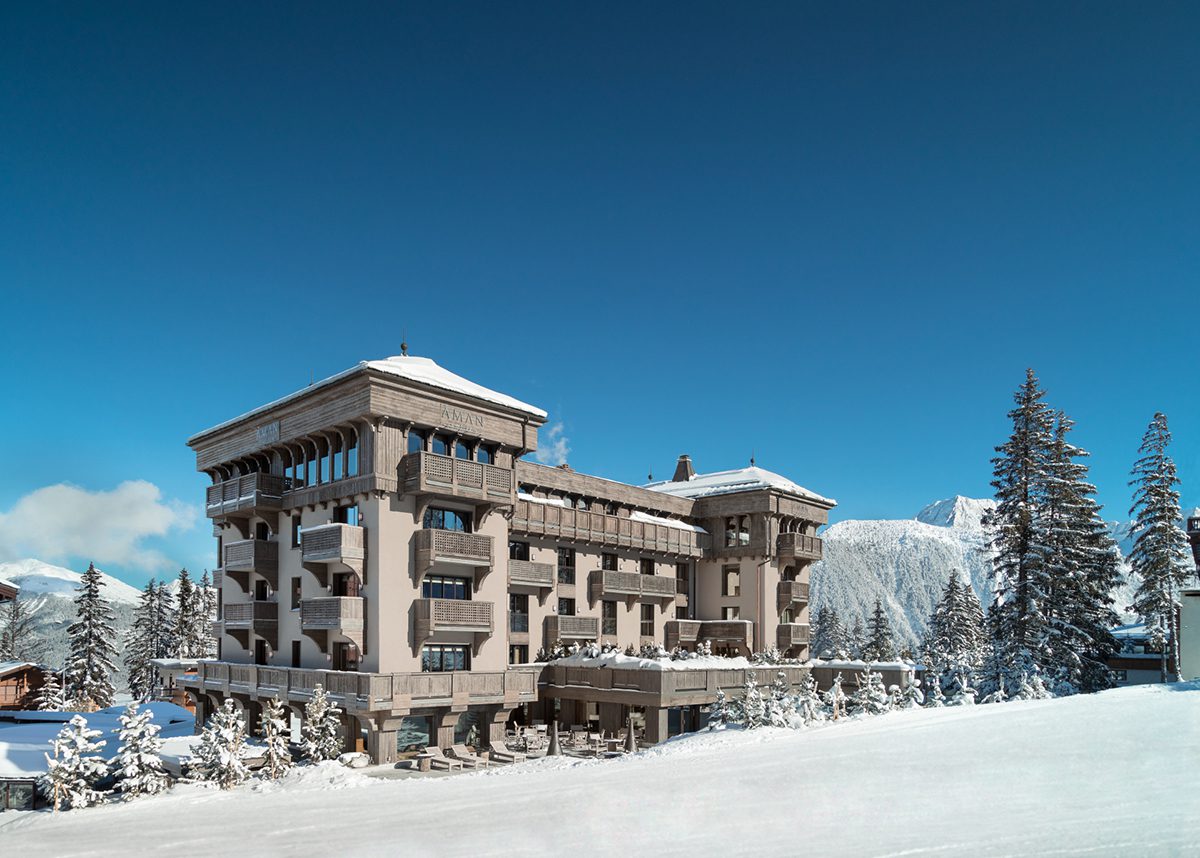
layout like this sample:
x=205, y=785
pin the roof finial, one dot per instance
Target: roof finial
x=650, y=477
x=752, y=458
x=404, y=343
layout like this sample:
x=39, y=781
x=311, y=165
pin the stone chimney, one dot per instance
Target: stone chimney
x=683, y=469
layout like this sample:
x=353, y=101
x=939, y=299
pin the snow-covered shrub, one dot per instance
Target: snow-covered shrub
x=218, y=757
x=869, y=698
x=718, y=713
x=653, y=651
x=74, y=770
x=807, y=702
x=322, y=730
x=935, y=698
x=277, y=758
x=50, y=697
x=835, y=698
x=138, y=766
x=912, y=697
x=779, y=702
x=770, y=655
x=753, y=707
x=962, y=694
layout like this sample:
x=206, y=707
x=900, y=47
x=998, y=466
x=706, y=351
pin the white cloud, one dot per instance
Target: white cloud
x=63, y=522
x=552, y=446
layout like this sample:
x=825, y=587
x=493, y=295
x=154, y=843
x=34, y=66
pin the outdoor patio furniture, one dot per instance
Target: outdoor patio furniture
x=500, y=754
x=461, y=752
x=439, y=760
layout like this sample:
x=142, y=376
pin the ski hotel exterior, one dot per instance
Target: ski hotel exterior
x=379, y=533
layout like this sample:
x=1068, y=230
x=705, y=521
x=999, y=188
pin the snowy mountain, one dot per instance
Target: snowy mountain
x=36, y=578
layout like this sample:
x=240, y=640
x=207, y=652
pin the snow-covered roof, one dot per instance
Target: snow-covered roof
x=4, y=582
x=421, y=370
x=7, y=667
x=738, y=480
x=647, y=518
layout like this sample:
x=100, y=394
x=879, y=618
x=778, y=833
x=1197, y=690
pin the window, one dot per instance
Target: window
x=337, y=459
x=582, y=503
x=447, y=519
x=1120, y=676
x=262, y=531
x=295, y=531
x=610, y=509
x=647, y=621
x=346, y=515
x=461, y=450
x=566, y=607
x=416, y=441
x=682, y=578
x=445, y=587
x=295, y=653
x=439, y=658
x=518, y=550
x=608, y=562
x=608, y=618
x=352, y=456
x=731, y=581
x=647, y=566
x=681, y=613
x=260, y=590
x=518, y=654
x=325, y=465
x=566, y=566
x=518, y=612
x=295, y=594
x=730, y=532
x=486, y=455
x=441, y=445
x=731, y=612
x=744, y=530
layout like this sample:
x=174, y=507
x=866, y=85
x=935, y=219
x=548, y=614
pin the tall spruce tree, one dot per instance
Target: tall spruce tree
x=1160, y=554
x=856, y=639
x=1018, y=537
x=149, y=637
x=954, y=641
x=18, y=640
x=880, y=645
x=207, y=613
x=829, y=635
x=89, y=668
x=189, y=614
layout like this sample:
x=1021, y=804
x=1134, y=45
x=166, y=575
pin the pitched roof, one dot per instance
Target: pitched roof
x=738, y=480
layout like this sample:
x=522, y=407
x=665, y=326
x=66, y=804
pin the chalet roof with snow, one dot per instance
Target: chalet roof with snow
x=738, y=480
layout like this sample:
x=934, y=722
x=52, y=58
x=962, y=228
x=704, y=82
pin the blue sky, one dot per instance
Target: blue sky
x=833, y=238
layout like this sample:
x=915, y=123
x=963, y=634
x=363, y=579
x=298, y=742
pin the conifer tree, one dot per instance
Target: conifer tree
x=1160, y=556
x=879, y=645
x=90, y=646
x=75, y=769
x=954, y=639
x=911, y=697
x=780, y=704
x=208, y=613
x=50, y=697
x=856, y=639
x=835, y=699
x=219, y=754
x=1018, y=537
x=138, y=765
x=870, y=698
x=149, y=637
x=935, y=698
x=322, y=730
x=189, y=614
x=18, y=640
x=718, y=713
x=754, y=710
x=808, y=702
x=277, y=758
x=829, y=635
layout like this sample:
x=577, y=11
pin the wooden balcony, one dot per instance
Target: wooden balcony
x=217, y=578
x=431, y=616
x=260, y=556
x=798, y=546
x=526, y=575
x=791, y=592
x=738, y=634
x=630, y=586
x=369, y=692
x=446, y=476
x=340, y=615
x=453, y=547
x=246, y=496
x=791, y=635
x=332, y=545
x=563, y=628
x=259, y=617
x=576, y=525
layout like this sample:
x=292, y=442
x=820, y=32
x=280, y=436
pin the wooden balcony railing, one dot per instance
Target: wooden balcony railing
x=525, y=573
x=332, y=612
x=792, y=634
x=562, y=628
x=577, y=525
x=454, y=615
x=252, y=555
x=629, y=585
x=791, y=592
x=728, y=632
x=798, y=546
x=332, y=543
x=451, y=477
x=251, y=494
x=452, y=546
x=241, y=618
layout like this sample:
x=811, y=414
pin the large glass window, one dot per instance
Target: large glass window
x=647, y=621
x=647, y=566
x=445, y=587
x=566, y=565
x=518, y=550
x=608, y=618
x=439, y=658
x=566, y=607
x=437, y=518
x=518, y=612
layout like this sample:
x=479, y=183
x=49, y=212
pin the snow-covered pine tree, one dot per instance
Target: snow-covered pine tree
x=754, y=709
x=856, y=639
x=870, y=698
x=277, y=758
x=164, y=623
x=218, y=757
x=89, y=668
x=780, y=704
x=808, y=703
x=1160, y=549
x=835, y=698
x=718, y=713
x=322, y=729
x=75, y=769
x=879, y=645
x=1018, y=534
x=954, y=640
x=18, y=640
x=189, y=614
x=830, y=638
x=962, y=694
x=50, y=697
x=911, y=697
x=147, y=639
x=208, y=612
x=1082, y=563
x=138, y=765
x=935, y=698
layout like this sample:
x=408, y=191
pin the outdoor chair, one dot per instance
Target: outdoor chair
x=500, y=754
x=439, y=760
x=461, y=752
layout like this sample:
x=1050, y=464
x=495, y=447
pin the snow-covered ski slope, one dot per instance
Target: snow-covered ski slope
x=1108, y=774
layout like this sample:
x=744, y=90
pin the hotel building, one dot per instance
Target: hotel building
x=379, y=533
